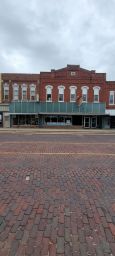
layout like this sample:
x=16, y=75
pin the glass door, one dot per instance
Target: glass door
x=86, y=122
x=94, y=122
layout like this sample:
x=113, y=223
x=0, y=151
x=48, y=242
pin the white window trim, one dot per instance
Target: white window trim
x=51, y=87
x=87, y=88
x=14, y=86
x=112, y=92
x=73, y=87
x=61, y=87
x=98, y=88
x=32, y=85
x=22, y=86
x=6, y=85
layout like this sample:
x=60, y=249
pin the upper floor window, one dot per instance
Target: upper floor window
x=6, y=91
x=61, y=93
x=112, y=97
x=49, y=92
x=15, y=92
x=32, y=91
x=96, y=93
x=73, y=93
x=84, y=93
x=24, y=92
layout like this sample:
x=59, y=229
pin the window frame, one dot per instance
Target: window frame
x=59, y=88
x=6, y=85
x=24, y=86
x=113, y=94
x=95, y=94
x=15, y=85
x=32, y=86
x=85, y=94
x=49, y=87
x=75, y=88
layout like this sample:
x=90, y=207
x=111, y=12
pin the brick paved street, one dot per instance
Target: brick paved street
x=57, y=193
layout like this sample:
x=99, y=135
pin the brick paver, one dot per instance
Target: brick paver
x=55, y=199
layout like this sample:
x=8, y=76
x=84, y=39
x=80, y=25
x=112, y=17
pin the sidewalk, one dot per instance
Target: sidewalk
x=45, y=130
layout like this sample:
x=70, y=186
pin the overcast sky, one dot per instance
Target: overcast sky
x=39, y=35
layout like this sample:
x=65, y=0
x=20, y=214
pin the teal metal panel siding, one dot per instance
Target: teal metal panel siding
x=62, y=107
x=24, y=107
x=57, y=107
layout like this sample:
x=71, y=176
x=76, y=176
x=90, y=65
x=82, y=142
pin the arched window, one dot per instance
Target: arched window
x=61, y=89
x=6, y=91
x=96, y=93
x=15, y=91
x=73, y=93
x=32, y=91
x=84, y=93
x=111, y=97
x=49, y=92
x=24, y=92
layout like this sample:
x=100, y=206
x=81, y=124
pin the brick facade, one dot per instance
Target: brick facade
x=56, y=78
x=82, y=78
x=19, y=79
x=72, y=75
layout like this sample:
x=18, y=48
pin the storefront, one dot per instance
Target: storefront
x=44, y=114
x=92, y=122
x=57, y=120
x=4, y=116
x=24, y=120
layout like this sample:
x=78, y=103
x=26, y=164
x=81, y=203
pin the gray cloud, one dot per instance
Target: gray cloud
x=37, y=35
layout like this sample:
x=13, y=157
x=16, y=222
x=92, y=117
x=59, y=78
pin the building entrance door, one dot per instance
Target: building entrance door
x=93, y=122
x=86, y=122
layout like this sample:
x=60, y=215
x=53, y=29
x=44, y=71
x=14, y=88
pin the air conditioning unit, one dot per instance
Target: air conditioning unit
x=37, y=97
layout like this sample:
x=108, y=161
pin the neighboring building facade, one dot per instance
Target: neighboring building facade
x=71, y=96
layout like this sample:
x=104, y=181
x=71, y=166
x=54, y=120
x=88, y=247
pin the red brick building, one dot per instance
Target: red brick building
x=71, y=96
